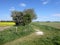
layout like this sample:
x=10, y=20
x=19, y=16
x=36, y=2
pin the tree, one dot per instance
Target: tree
x=17, y=17
x=30, y=12
x=27, y=19
x=23, y=18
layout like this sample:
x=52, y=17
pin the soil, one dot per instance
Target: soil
x=3, y=28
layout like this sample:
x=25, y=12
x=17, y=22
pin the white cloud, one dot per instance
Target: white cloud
x=22, y=4
x=12, y=9
x=44, y=2
x=57, y=15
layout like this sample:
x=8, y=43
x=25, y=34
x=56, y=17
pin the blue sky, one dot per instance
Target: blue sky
x=46, y=10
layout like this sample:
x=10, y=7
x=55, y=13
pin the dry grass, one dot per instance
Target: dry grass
x=52, y=24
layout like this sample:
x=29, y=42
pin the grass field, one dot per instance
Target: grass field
x=52, y=24
x=11, y=34
x=6, y=24
x=26, y=35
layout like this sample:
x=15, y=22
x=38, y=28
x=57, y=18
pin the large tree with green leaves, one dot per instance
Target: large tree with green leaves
x=17, y=17
x=23, y=18
x=31, y=12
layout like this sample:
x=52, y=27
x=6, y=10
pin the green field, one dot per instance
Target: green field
x=6, y=24
x=25, y=35
x=52, y=24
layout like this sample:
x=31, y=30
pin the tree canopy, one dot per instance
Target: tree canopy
x=23, y=18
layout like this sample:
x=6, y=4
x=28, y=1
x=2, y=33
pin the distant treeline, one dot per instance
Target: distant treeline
x=6, y=21
x=47, y=21
x=36, y=21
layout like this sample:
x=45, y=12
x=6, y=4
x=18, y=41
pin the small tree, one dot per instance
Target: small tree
x=17, y=17
x=27, y=19
x=30, y=12
x=23, y=18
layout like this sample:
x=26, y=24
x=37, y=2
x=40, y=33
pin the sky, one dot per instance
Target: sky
x=46, y=10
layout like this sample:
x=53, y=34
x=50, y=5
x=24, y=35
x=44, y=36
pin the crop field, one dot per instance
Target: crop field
x=52, y=24
x=6, y=24
x=35, y=33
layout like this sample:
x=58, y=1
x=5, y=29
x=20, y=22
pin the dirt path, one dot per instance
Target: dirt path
x=3, y=28
x=30, y=37
x=23, y=39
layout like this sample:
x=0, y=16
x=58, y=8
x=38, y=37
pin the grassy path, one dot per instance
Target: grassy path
x=23, y=39
x=27, y=38
x=51, y=36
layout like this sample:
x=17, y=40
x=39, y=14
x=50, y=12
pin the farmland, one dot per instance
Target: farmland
x=52, y=24
x=6, y=24
x=26, y=35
